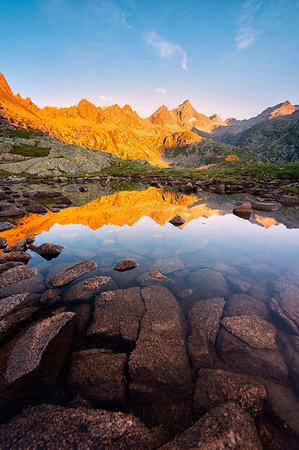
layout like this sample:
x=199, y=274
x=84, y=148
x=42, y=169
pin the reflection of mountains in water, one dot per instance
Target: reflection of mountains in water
x=127, y=207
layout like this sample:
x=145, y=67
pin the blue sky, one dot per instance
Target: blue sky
x=233, y=58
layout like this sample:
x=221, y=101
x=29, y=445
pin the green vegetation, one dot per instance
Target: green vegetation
x=21, y=133
x=32, y=152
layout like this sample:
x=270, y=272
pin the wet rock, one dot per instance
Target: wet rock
x=87, y=289
x=177, y=221
x=16, y=274
x=214, y=387
x=83, y=189
x=161, y=379
x=208, y=284
x=52, y=427
x=248, y=343
x=9, y=265
x=32, y=361
x=11, y=304
x=225, y=427
x=284, y=404
x=35, y=284
x=82, y=319
x=14, y=256
x=12, y=212
x=289, y=346
x=238, y=283
x=126, y=264
x=72, y=273
x=3, y=243
x=62, y=200
x=243, y=210
x=204, y=319
x=5, y=226
x=19, y=246
x=117, y=317
x=245, y=305
x=285, y=305
x=35, y=208
x=49, y=295
x=266, y=206
x=99, y=376
x=16, y=320
x=156, y=274
x=145, y=280
x=169, y=265
x=47, y=251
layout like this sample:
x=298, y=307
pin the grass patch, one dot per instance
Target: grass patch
x=32, y=152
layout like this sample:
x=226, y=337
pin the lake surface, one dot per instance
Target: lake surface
x=214, y=254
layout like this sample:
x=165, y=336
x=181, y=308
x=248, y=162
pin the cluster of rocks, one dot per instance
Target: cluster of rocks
x=213, y=370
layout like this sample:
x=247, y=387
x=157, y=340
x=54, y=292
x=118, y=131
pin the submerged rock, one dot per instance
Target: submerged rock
x=47, y=251
x=16, y=274
x=52, y=427
x=5, y=226
x=87, y=289
x=225, y=427
x=177, y=221
x=72, y=273
x=285, y=305
x=266, y=206
x=19, y=246
x=208, y=284
x=214, y=387
x=126, y=264
x=156, y=274
x=245, y=305
x=98, y=375
x=169, y=265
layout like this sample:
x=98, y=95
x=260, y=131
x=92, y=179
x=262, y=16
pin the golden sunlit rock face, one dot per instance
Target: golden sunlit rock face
x=123, y=208
x=267, y=222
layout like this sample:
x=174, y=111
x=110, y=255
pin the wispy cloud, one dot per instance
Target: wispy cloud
x=106, y=99
x=161, y=90
x=167, y=49
x=247, y=32
x=110, y=10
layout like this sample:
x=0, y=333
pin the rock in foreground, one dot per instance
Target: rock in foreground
x=126, y=264
x=72, y=273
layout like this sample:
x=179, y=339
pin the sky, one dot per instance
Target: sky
x=233, y=57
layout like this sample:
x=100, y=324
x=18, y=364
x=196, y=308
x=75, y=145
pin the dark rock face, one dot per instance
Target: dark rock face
x=11, y=304
x=117, y=317
x=16, y=320
x=47, y=251
x=245, y=305
x=19, y=246
x=62, y=200
x=35, y=208
x=72, y=273
x=208, y=284
x=177, y=221
x=5, y=226
x=204, y=318
x=33, y=284
x=42, y=194
x=266, y=206
x=99, y=375
x=247, y=343
x=34, y=358
x=214, y=387
x=243, y=210
x=225, y=427
x=16, y=274
x=3, y=243
x=9, y=265
x=159, y=366
x=126, y=264
x=14, y=256
x=12, y=212
x=87, y=289
x=52, y=427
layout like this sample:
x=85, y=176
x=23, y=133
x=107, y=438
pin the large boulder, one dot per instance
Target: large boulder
x=204, y=319
x=208, y=284
x=225, y=427
x=99, y=376
x=33, y=359
x=117, y=317
x=72, y=273
x=28, y=282
x=245, y=305
x=214, y=387
x=248, y=344
x=57, y=427
x=87, y=289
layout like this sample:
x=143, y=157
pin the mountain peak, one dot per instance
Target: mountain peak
x=4, y=87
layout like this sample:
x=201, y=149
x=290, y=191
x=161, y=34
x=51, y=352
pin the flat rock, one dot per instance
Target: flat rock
x=5, y=226
x=204, y=319
x=14, y=256
x=214, y=387
x=169, y=265
x=16, y=274
x=266, y=206
x=98, y=375
x=35, y=208
x=35, y=284
x=238, y=283
x=47, y=251
x=3, y=243
x=19, y=246
x=126, y=264
x=11, y=304
x=87, y=289
x=245, y=305
x=117, y=317
x=225, y=427
x=12, y=212
x=72, y=273
x=56, y=427
x=177, y=221
x=208, y=284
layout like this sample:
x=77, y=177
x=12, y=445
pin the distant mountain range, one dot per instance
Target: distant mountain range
x=273, y=134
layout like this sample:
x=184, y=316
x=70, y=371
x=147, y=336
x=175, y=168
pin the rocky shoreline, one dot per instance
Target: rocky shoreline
x=86, y=362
